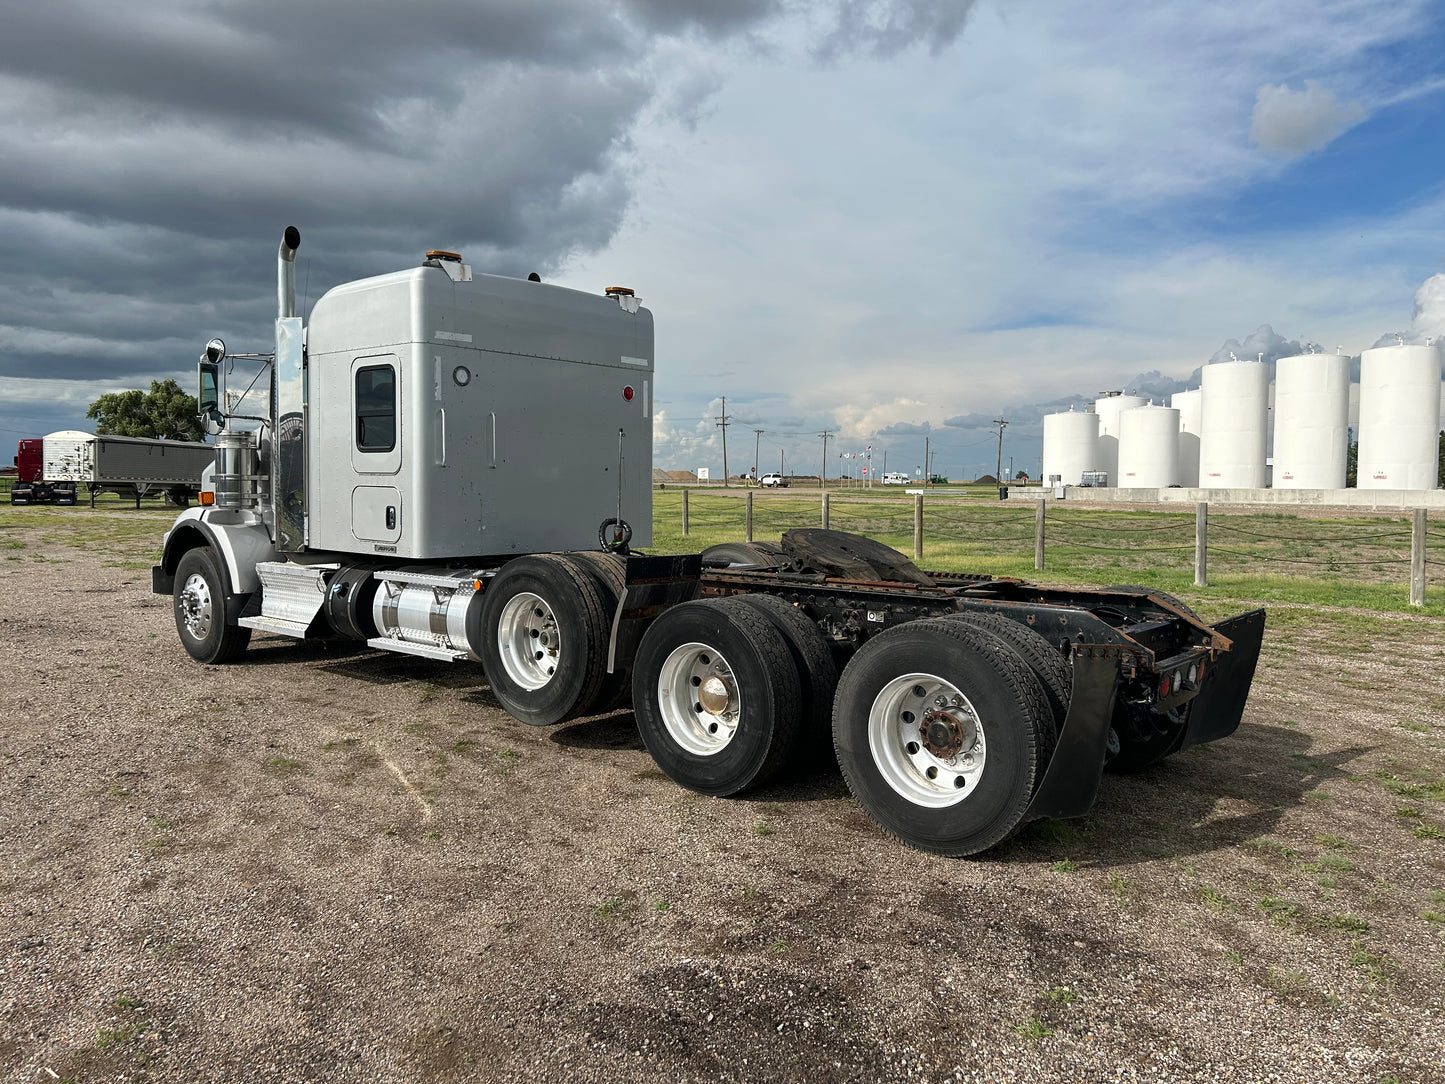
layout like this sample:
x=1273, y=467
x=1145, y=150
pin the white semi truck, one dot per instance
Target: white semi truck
x=457, y=466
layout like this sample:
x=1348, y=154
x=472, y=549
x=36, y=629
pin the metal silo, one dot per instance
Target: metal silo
x=1311, y=421
x=1234, y=425
x=1149, y=447
x=1190, y=405
x=1071, y=446
x=1399, y=417
x=1108, y=407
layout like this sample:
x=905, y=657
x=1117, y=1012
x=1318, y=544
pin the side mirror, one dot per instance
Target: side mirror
x=208, y=398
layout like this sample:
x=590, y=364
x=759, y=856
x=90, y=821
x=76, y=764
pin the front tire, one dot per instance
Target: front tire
x=200, y=610
x=716, y=695
x=939, y=730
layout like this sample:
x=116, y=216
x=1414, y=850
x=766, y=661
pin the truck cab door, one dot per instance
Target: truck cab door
x=376, y=447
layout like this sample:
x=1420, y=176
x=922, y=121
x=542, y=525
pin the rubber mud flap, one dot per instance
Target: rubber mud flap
x=1215, y=713
x=1071, y=781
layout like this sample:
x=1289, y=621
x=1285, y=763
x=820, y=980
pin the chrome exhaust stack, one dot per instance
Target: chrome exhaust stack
x=288, y=406
x=286, y=273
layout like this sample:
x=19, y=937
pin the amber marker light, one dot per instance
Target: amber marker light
x=207, y=497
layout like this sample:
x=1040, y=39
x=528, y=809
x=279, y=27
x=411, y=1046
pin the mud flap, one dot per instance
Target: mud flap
x=1071, y=780
x=1216, y=711
x=654, y=584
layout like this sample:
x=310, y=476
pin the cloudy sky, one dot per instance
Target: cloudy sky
x=888, y=220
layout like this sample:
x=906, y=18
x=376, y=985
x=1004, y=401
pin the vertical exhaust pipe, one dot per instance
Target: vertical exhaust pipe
x=288, y=406
x=286, y=273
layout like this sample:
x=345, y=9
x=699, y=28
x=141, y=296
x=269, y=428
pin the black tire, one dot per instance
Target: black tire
x=610, y=579
x=1054, y=673
x=757, y=680
x=1163, y=596
x=199, y=605
x=545, y=654
x=890, y=778
x=767, y=554
x=813, y=660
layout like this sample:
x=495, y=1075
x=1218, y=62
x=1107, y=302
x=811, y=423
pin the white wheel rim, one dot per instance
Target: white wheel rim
x=699, y=699
x=529, y=640
x=195, y=606
x=927, y=740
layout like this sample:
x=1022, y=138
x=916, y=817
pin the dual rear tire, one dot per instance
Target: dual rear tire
x=942, y=732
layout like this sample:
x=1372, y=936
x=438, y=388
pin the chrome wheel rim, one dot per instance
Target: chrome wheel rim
x=529, y=640
x=195, y=606
x=699, y=699
x=927, y=740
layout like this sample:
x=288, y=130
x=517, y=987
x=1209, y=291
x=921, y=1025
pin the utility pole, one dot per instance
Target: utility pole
x=757, y=440
x=781, y=473
x=723, y=424
x=927, y=467
x=823, y=478
x=998, y=470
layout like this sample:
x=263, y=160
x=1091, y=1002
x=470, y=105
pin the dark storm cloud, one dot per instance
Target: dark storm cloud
x=150, y=154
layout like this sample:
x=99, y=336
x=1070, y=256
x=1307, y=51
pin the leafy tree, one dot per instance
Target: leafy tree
x=164, y=411
x=1352, y=466
x=1440, y=474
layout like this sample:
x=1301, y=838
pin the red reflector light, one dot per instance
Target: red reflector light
x=1164, y=687
x=627, y=393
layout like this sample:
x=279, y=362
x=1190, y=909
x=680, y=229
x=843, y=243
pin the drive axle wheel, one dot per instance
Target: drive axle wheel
x=716, y=696
x=939, y=729
x=542, y=639
x=200, y=605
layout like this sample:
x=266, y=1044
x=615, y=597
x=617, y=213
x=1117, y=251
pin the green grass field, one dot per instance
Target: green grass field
x=1359, y=563
x=1255, y=557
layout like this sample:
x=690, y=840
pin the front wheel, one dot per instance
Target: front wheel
x=939, y=730
x=200, y=606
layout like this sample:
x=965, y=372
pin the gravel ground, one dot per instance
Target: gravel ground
x=326, y=864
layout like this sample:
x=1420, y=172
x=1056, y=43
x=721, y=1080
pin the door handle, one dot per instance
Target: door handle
x=391, y=517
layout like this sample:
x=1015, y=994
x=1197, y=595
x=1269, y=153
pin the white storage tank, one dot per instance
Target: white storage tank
x=1311, y=421
x=1234, y=427
x=1190, y=405
x=1399, y=418
x=1071, y=446
x=1149, y=447
x=1108, y=407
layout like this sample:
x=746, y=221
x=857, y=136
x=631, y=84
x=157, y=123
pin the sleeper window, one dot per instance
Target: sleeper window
x=376, y=408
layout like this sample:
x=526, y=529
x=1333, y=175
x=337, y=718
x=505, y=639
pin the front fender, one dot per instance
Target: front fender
x=240, y=543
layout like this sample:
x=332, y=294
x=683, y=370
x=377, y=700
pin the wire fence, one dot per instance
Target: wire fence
x=1004, y=538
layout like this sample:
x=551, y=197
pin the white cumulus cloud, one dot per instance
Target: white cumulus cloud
x=1296, y=122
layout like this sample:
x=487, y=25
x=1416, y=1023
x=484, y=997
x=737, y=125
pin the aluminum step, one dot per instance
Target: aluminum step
x=402, y=647
x=277, y=625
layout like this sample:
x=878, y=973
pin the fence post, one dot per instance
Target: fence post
x=1201, y=544
x=684, y=511
x=918, y=526
x=748, y=517
x=1039, y=537
x=825, y=509
x=1417, y=557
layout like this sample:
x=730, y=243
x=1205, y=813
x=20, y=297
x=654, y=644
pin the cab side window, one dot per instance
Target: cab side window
x=376, y=408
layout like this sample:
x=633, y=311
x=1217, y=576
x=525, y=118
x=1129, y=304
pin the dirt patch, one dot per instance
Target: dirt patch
x=321, y=864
